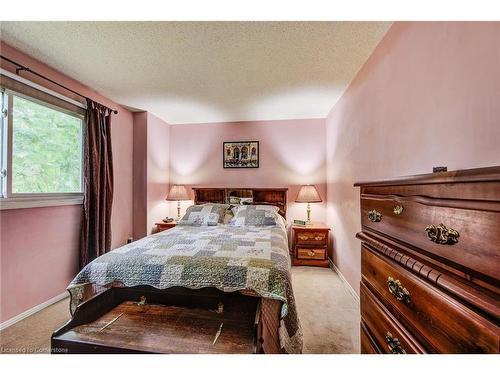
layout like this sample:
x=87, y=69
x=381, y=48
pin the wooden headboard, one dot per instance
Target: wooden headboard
x=270, y=196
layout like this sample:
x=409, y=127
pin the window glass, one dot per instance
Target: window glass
x=46, y=149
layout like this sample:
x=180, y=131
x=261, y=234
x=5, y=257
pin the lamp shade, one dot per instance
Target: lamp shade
x=177, y=193
x=308, y=194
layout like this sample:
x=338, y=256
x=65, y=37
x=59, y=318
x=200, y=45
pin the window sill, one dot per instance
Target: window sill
x=34, y=202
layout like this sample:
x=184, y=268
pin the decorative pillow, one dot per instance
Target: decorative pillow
x=221, y=206
x=258, y=215
x=237, y=201
x=246, y=200
x=264, y=207
x=228, y=216
x=207, y=214
x=234, y=200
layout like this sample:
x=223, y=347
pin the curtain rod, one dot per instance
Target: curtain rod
x=20, y=67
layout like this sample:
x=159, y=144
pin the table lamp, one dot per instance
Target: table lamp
x=308, y=194
x=178, y=193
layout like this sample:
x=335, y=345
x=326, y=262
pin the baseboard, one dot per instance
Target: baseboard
x=344, y=280
x=33, y=310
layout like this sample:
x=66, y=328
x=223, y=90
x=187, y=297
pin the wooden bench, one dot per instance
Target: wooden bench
x=175, y=320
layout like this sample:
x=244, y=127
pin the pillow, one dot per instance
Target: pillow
x=264, y=207
x=206, y=214
x=258, y=215
x=246, y=200
x=238, y=200
x=234, y=200
x=220, y=206
x=228, y=216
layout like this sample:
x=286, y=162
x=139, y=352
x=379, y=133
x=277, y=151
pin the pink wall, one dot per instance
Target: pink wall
x=140, y=174
x=292, y=153
x=151, y=172
x=428, y=96
x=39, y=255
x=158, y=170
x=39, y=246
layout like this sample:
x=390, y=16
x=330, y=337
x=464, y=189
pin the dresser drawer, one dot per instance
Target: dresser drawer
x=447, y=325
x=311, y=237
x=311, y=253
x=368, y=346
x=389, y=335
x=478, y=231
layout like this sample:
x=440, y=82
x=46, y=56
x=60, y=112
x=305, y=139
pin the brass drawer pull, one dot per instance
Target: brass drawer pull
x=374, y=216
x=398, y=209
x=311, y=237
x=393, y=344
x=442, y=235
x=311, y=253
x=398, y=290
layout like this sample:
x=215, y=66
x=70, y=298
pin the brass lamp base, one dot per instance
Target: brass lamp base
x=178, y=210
x=308, y=214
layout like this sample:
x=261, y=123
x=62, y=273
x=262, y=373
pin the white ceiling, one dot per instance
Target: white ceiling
x=188, y=72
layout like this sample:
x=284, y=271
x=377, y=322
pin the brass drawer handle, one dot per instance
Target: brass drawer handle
x=311, y=253
x=398, y=290
x=306, y=237
x=393, y=344
x=442, y=235
x=374, y=216
x=398, y=209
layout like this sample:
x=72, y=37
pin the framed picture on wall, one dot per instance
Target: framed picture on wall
x=240, y=154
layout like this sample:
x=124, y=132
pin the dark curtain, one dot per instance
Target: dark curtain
x=98, y=183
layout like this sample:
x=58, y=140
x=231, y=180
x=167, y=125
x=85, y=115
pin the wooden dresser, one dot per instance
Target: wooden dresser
x=430, y=263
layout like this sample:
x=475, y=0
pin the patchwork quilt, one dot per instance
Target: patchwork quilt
x=249, y=258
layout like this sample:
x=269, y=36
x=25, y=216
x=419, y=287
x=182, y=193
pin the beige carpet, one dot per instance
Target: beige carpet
x=32, y=335
x=328, y=313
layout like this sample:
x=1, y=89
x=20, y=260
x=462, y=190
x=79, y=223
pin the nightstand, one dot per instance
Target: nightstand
x=160, y=227
x=310, y=245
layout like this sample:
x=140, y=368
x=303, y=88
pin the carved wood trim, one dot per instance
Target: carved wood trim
x=404, y=260
x=453, y=268
x=445, y=282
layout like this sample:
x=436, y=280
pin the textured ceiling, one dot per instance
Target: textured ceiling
x=187, y=72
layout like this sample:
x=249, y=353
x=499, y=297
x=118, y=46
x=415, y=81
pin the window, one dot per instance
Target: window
x=41, y=149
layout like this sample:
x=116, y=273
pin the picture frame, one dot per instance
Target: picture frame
x=240, y=154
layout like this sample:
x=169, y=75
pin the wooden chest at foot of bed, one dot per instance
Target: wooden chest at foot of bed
x=176, y=320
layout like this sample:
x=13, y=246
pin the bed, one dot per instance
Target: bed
x=251, y=260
